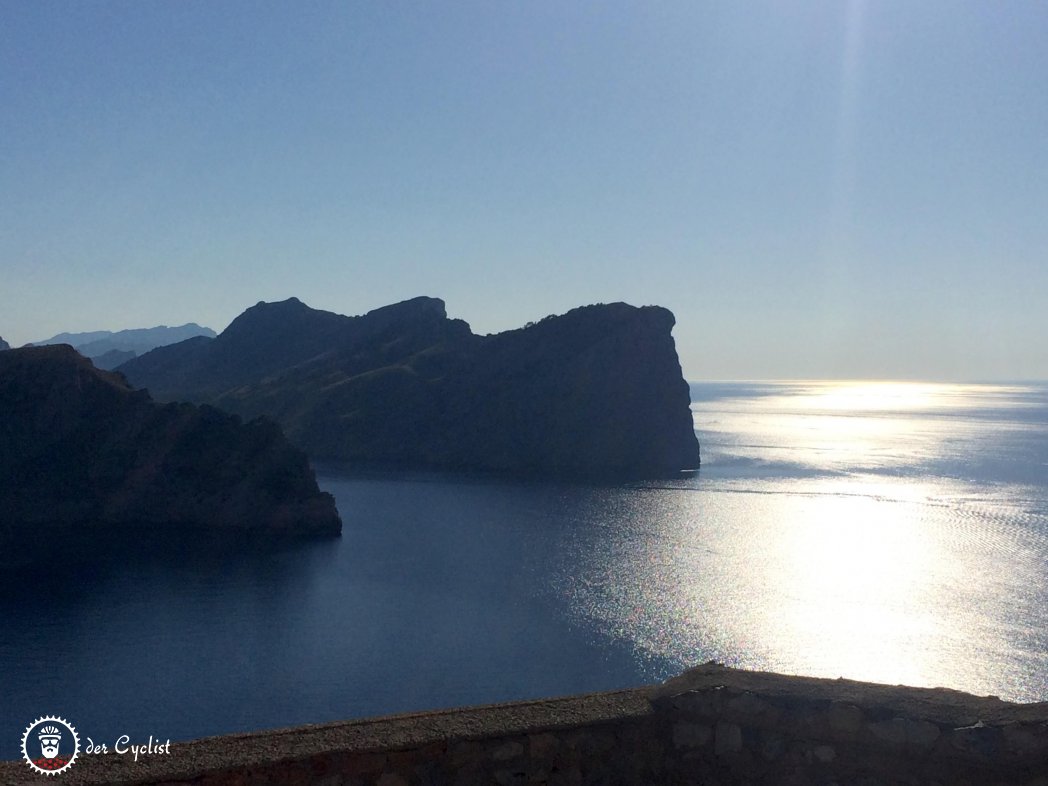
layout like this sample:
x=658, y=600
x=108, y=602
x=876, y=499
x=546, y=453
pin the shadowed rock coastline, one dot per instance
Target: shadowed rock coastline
x=596, y=391
x=84, y=456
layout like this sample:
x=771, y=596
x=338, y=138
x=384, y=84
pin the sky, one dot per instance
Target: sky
x=815, y=188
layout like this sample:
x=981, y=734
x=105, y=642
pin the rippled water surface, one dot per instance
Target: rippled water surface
x=888, y=532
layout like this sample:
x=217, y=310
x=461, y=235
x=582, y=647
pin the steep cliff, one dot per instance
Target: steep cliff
x=598, y=390
x=82, y=454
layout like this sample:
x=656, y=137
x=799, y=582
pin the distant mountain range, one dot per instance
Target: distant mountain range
x=595, y=391
x=109, y=349
x=85, y=458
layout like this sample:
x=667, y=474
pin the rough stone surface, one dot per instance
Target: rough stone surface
x=891, y=732
x=874, y=735
x=727, y=739
x=1026, y=739
x=542, y=746
x=691, y=735
x=752, y=708
x=507, y=751
x=921, y=734
x=824, y=753
x=844, y=720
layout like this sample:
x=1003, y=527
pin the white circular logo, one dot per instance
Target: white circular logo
x=50, y=745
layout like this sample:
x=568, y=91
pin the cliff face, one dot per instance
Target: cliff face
x=598, y=390
x=84, y=454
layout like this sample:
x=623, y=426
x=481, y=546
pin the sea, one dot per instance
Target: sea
x=894, y=532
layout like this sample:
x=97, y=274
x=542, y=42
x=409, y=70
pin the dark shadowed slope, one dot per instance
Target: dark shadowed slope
x=4, y=345
x=598, y=390
x=290, y=341
x=82, y=454
x=113, y=358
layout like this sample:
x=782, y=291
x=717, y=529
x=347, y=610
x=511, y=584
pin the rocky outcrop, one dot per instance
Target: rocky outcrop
x=598, y=390
x=84, y=455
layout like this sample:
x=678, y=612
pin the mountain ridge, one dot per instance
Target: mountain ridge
x=108, y=348
x=596, y=390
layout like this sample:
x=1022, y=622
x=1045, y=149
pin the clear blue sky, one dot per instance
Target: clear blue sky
x=816, y=189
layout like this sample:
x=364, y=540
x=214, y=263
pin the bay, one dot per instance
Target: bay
x=894, y=532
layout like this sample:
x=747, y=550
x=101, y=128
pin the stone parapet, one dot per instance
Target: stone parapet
x=711, y=725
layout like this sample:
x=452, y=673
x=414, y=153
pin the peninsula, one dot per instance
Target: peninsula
x=596, y=391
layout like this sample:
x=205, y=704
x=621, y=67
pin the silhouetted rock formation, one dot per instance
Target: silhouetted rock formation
x=82, y=455
x=4, y=345
x=137, y=341
x=598, y=390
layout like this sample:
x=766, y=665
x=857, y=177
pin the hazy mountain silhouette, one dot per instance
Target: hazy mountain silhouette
x=83, y=454
x=596, y=390
x=113, y=358
x=4, y=345
x=138, y=341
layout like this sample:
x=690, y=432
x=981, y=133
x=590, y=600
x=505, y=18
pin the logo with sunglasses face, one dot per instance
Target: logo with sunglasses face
x=50, y=745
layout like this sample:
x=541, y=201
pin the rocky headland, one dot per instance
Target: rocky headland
x=83, y=455
x=596, y=391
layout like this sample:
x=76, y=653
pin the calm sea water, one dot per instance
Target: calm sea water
x=895, y=533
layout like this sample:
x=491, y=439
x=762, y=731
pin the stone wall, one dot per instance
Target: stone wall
x=711, y=725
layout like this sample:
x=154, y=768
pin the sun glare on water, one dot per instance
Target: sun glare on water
x=835, y=530
x=876, y=396
x=856, y=560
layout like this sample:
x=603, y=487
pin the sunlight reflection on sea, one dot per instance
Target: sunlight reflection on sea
x=885, y=532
